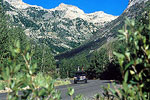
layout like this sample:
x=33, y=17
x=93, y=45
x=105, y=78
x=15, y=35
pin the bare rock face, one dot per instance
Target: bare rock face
x=74, y=12
x=133, y=2
x=62, y=28
x=18, y=4
x=100, y=18
x=69, y=11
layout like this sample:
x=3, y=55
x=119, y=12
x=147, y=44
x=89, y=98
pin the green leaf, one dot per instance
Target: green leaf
x=42, y=92
x=139, y=60
x=18, y=44
x=127, y=55
x=28, y=56
x=132, y=72
x=133, y=82
x=13, y=84
x=147, y=47
x=17, y=68
x=137, y=77
x=126, y=76
x=70, y=91
x=119, y=55
x=17, y=50
x=34, y=66
x=120, y=58
x=132, y=22
x=7, y=71
x=129, y=64
x=27, y=47
x=127, y=21
x=121, y=31
x=142, y=85
x=113, y=91
x=148, y=53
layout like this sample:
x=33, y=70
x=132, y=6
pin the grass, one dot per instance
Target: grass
x=42, y=79
x=62, y=82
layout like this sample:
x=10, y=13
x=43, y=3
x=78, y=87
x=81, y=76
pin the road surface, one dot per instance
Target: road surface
x=88, y=90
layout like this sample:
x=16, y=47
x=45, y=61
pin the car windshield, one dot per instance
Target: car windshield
x=80, y=74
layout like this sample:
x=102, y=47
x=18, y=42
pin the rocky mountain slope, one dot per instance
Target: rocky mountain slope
x=110, y=30
x=62, y=28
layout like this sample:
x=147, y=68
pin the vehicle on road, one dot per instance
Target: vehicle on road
x=80, y=76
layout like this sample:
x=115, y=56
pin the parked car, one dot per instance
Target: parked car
x=80, y=76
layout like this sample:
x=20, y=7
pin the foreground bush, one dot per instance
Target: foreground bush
x=37, y=88
x=134, y=60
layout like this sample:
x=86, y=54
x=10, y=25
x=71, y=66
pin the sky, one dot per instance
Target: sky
x=114, y=7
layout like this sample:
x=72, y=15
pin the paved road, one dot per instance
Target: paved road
x=88, y=90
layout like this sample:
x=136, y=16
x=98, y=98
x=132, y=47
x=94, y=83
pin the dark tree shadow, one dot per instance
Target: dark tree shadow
x=112, y=72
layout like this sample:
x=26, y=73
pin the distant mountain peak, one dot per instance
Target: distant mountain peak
x=65, y=26
x=73, y=12
x=68, y=8
x=64, y=5
x=14, y=0
x=17, y=3
x=20, y=4
x=70, y=11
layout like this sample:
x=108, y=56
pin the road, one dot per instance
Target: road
x=88, y=90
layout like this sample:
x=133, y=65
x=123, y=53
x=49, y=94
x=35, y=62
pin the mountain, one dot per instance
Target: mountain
x=62, y=28
x=110, y=30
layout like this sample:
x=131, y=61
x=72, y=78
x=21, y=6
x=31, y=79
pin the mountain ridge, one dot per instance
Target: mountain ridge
x=62, y=28
x=21, y=5
x=109, y=31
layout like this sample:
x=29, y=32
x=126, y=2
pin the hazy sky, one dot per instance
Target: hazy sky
x=114, y=7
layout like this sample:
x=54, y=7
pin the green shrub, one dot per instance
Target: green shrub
x=135, y=60
x=40, y=87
